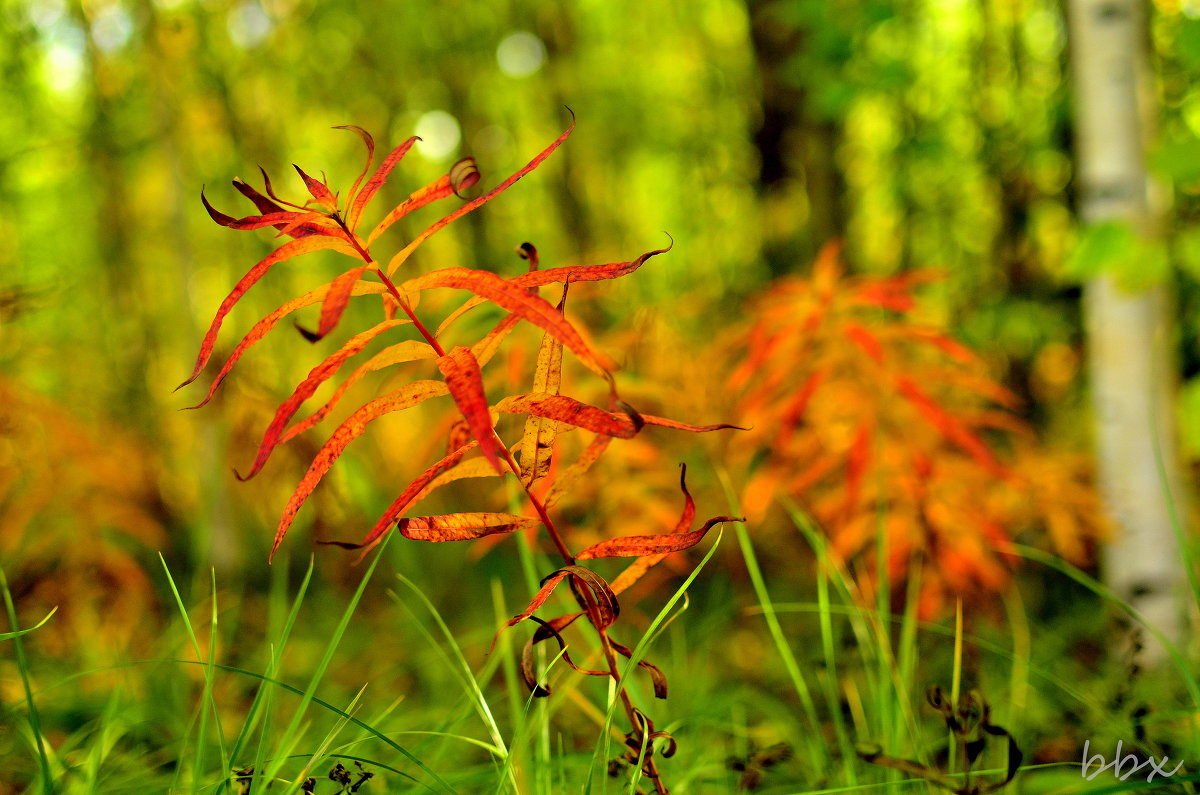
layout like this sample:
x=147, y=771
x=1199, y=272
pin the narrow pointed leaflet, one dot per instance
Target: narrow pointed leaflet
x=462, y=526
x=465, y=382
x=404, y=253
x=508, y=295
x=377, y=180
x=288, y=250
x=267, y=207
x=318, y=189
x=409, y=495
x=284, y=220
x=403, y=398
x=650, y=550
x=537, y=443
x=369, y=142
x=567, y=274
x=570, y=411
x=406, y=351
x=317, y=376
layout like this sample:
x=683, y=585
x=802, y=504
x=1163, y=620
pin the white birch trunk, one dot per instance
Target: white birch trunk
x=1128, y=334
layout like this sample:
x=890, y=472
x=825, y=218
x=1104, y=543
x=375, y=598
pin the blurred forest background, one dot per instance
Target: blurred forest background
x=919, y=133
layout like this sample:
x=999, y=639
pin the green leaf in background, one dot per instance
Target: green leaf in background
x=1187, y=251
x=1112, y=247
x=1188, y=43
x=1178, y=160
x=1189, y=418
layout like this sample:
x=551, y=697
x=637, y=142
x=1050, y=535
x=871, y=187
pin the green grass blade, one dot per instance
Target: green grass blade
x=1108, y=595
x=458, y=664
x=276, y=683
x=20, y=633
x=818, y=758
x=262, y=698
x=35, y=723
x=639, y=653
x=309, y=693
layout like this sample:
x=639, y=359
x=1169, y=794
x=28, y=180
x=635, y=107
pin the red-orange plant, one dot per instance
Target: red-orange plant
x=329, y=221
x=872, y=419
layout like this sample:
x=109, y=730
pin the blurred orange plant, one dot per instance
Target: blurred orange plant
x=875, y=422
x=62, y=480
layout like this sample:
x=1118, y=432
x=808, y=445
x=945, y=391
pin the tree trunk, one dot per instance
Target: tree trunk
x=1129, y=336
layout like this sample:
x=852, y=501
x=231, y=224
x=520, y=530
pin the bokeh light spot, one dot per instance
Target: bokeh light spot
x=439, y=133
x=111, y=28
x=520, y=54
x=248, y=25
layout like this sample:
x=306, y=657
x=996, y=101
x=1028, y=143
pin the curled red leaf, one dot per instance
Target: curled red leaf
x=404, y=253
x=545, y=631
x=369, y=142
x=463, y=175
x=634, y=546
x=657, y=677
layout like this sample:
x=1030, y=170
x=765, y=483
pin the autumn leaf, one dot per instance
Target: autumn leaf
x=652, y=549
x=657, y=677
x=662, y=422
x=537, y=442
x=486, y=348
x=567, y=480
x=465, y=382
x=466, y=179
x=570, y=274
x=508, y=295
x=461, y=526
x=406, y=351
x=471, y=468
x=603, y=600
x=317, y=376
x=313, y=226
x=292, y=248
x=297, y=223
x=572, y=412
x=403, y=398
x=318, y=190
x=545, y=631
x=369, y=142
x=950, y=427
x=263, y=327
x=410, y=495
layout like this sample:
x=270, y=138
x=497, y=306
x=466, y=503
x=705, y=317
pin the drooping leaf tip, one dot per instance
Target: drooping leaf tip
x=311, y=336
x=340, y=544
x=638, y=421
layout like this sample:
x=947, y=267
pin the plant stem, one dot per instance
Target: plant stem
x=582, y=596
x=391, y=287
